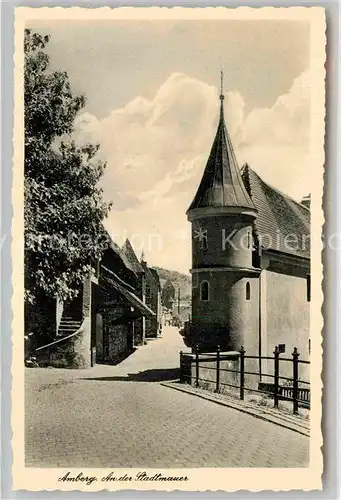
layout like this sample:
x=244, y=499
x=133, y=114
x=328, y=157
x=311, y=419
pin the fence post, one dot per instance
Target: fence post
x=276, y=375
x=181, y=368
x=217, y=388
x=242, y=370
x=197, y=366
x=295, y=356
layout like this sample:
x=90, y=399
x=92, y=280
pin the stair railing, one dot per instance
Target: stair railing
x=61, y=339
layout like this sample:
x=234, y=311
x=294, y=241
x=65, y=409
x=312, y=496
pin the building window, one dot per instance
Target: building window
x=204, y=291
x=203, y=241
x=201, y=235
x=281, y=348
x=248, y=240
x=248, y=291
x=308, y=287
x=255, y=253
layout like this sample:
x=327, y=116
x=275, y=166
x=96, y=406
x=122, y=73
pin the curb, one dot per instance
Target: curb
x=229, y=404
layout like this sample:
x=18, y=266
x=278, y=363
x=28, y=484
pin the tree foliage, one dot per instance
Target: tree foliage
x=64, y=208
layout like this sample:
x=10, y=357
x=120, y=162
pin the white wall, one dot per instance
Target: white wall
x=288, y=317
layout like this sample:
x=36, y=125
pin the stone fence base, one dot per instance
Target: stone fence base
x=73, y=352
x=207, y=369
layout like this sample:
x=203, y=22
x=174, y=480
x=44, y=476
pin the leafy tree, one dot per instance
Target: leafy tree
x=64, y=207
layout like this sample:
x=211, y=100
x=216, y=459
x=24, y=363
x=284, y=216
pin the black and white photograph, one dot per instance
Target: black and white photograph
x=167, y=274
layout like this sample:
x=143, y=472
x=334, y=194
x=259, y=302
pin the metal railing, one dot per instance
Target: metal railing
x=291, y=391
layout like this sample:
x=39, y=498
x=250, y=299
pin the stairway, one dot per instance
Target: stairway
x=67, y=326
x=71, y=318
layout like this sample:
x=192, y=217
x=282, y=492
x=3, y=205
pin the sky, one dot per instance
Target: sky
x=152, y=91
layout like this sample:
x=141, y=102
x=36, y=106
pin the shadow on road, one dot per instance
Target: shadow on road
x=157, y=375
x=118, y=359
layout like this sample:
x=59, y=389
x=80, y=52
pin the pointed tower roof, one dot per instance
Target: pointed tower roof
x=131, y=260
x=221, y=184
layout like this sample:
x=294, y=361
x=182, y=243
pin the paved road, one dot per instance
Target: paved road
x=119, y=416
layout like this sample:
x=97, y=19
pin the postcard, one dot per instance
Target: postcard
x=166, y=244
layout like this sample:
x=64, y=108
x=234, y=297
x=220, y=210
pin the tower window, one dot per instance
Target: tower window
x=204, y=291
x=248, y=291
x=203, y=241
x=248, y=240
x=201, y=235
x=308, y=287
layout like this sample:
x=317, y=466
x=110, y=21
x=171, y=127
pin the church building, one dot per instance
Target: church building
x=250, y=260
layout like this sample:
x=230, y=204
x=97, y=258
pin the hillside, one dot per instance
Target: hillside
x=179, y=280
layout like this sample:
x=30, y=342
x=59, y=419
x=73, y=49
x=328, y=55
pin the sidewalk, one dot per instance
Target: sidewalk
x=296, y=423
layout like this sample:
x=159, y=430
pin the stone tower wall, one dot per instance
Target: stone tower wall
x=229, y=241
x=228, y=318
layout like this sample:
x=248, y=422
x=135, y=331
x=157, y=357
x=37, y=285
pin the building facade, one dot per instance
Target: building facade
x=153, y=301
x=132, y=262
x=99, y=325
x=250, y=261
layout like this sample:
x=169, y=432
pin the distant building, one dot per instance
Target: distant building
x=168, y=295
x=153, y=301
x=132, y=262
x=158, y=304
x=167, y=316
x=250, y=261
x=185, y=310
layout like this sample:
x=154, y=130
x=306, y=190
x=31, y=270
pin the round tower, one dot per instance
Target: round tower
x=224, y=281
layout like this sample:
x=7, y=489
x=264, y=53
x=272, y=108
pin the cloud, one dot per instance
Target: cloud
x=146, y=140
x=156, y=151
x=276, y=141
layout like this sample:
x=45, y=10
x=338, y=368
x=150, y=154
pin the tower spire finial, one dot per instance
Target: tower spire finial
x=221, y=85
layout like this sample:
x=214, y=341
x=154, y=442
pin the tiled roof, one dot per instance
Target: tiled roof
x=156, y=276
x=125, y=290
x=118, y=251
x=221, y=184
x=130, y=259
x=282, y=224
x=168, y=285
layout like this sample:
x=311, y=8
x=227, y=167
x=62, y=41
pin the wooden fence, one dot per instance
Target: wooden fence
x=289, y=390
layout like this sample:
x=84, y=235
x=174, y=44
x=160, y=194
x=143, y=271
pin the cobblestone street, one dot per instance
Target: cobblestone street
x=120, y=416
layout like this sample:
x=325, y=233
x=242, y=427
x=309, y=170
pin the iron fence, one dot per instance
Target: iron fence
x=290, y=390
